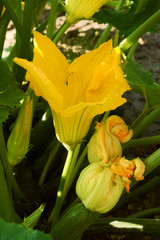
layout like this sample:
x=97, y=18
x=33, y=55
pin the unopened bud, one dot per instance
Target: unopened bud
x=103, y=146
x=18, y=142
x=99, y=188
x=79, y=9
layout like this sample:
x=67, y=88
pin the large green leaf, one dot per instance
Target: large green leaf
x=12, y=231
x=127, y=21
x=141, y=82
x=10, y=94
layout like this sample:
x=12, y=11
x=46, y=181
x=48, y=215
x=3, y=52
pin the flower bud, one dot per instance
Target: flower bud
x=103, y=146
x=79, y=9
x=18, y=142
x=99, y=188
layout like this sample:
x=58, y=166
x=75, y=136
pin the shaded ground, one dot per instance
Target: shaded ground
x=148, y=54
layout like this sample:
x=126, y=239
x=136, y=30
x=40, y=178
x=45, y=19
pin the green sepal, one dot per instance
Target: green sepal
x=31, y=220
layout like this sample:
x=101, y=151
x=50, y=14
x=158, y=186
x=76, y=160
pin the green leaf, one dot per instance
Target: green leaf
x=12, y=231
x=141, y=82
x=128, y=21
x=10, y=94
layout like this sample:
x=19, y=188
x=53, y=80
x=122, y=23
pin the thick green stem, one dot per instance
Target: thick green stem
x=140, y=118
x=56, y=211
x=52, y=19
x=140, y=191
x=60, y=32
x=147, y=121
x=70, y=176
x=145, y=213
x=48, y=163
x=79, y=162
x=141, y=142
x=104, y=36
x=133, y=37
x=152, y=162
x=12, y=14
x=132, y=50
x=106, y=32
x=121, y=226
x=7, y=208
x=25, y=48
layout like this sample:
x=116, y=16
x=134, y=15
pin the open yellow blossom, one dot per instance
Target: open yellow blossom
x=76, y=92
x=79, y=9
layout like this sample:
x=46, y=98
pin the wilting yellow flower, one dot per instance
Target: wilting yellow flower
x=99, y=188
x=19, y=139
x=118, y=127
x=90, y=85
x=79, y=9
x=105, y=144
x=127, y=169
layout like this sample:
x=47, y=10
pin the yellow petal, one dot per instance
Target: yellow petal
x=77, y=9
x=42, y=85
x=51, y=61
x=97, y=77
x=81, y=71
x=140, y=168
x=108, y=79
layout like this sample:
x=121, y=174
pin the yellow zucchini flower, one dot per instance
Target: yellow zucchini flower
x=77, y=92
x=79, y=9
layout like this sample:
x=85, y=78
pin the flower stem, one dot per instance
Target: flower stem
x=60, y=32
x=145, y=213
x=106, y=32
x=25, y=46
x=147, y=121
x=140, y=118
x=52, y=19
x=6, y=179
x=140, y=191
x=48, y=163
x=79, y=162
x=141, y=141
x=70, y=176
x=133, y=37
x=132, y=50
x=12, y=14
x=56, y=211
x=152, y=162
